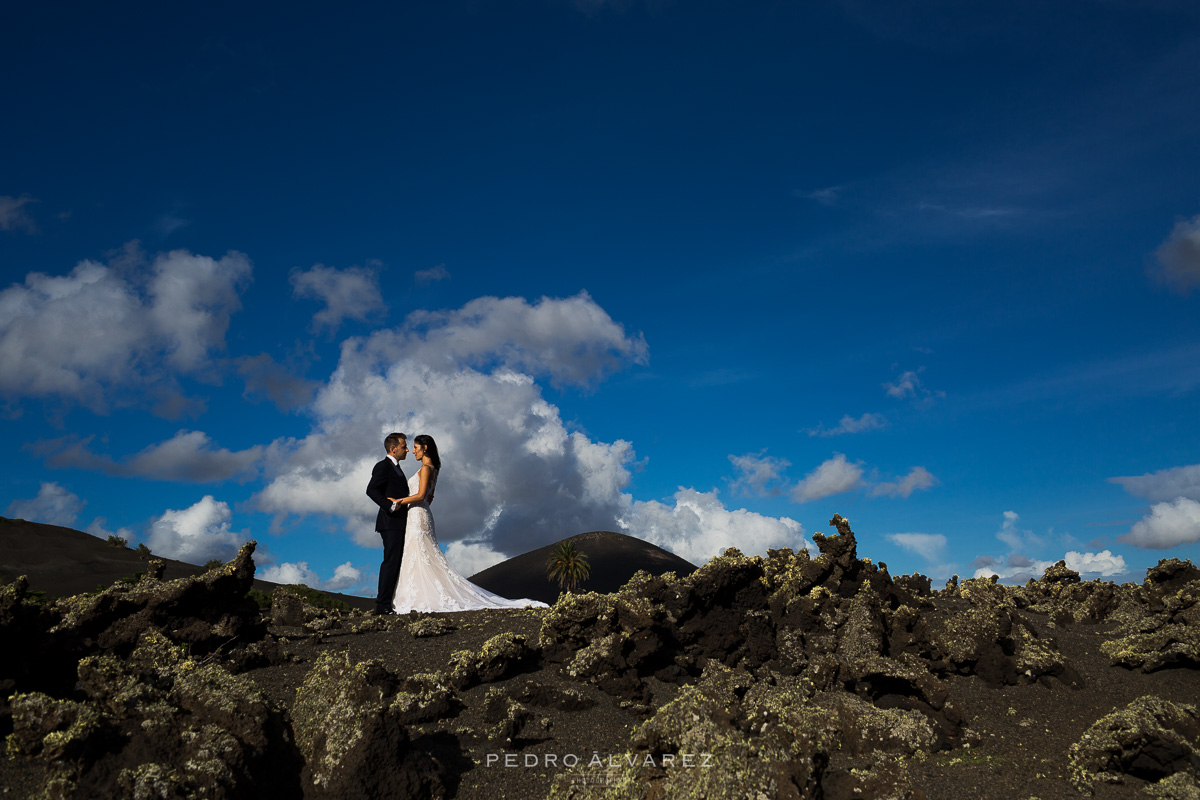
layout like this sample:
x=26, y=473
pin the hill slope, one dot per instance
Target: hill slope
x=614, y=558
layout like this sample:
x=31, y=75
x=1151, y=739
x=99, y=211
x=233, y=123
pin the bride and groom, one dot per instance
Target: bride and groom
x=414, y=575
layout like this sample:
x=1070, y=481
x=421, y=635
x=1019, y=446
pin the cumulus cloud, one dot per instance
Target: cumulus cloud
x=572, y=341
x=1167, y=525
x=848, y=424
x=513, y=476
x=697, y=526
x=834, y=476
x=424, y=277
x=930, y=546
x=1020, y=569
x=53, y=505
x=1164, y=485
x=197, y=534
x=1178, y=258
x=288, y=573
x=758, y=474
x=187, y=456
x=917, y=478
x=351, y=293
x=13, y=214
x=103, y=332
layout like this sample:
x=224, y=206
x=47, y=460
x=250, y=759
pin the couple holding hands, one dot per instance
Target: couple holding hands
x=415, y=575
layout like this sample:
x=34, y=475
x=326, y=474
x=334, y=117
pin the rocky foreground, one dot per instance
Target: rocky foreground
x=778, y=677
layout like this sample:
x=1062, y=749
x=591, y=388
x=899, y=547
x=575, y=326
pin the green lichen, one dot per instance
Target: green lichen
x=331, y=710
x=430, y=626
x=737, y=745
x=51, y=729
x=591, y=660
x=151, y=781
x=1180, y=786
x=1034, y=656
x=423, y=697
x=1110, y=746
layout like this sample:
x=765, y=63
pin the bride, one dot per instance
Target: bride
x=427, y=581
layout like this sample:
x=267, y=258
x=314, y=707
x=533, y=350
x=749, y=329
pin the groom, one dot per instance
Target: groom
x=387, y=480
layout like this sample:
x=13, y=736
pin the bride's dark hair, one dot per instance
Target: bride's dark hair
x=426, y=441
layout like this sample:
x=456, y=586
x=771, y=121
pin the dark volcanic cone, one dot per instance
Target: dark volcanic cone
x=613, y=557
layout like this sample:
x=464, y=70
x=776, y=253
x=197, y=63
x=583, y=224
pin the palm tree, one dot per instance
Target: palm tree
x=567, y=565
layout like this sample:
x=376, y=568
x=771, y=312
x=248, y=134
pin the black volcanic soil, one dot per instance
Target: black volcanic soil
x=803, y=678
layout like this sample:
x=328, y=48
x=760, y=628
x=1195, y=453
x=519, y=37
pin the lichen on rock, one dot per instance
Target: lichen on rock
x=1150, y=739
x=715, y=741
x=348, y=728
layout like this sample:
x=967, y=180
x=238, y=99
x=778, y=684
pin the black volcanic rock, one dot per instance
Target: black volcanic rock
x=613, y=558
x=62, y=562
x=798, y=676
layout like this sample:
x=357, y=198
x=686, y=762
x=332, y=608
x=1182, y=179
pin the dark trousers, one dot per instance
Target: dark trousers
x=389, y=570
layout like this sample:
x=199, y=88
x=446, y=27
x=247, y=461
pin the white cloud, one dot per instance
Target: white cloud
x=905, y=386
x=698, y=526
x=196, y=534
x=929, y=546
x=351, y=293
x=470, y=558
x=424, y=277
x=97, y=529
x=13, y=214
x=848, y=424
x=1178, y=258
x=1015, y=537
x=53, y=505
x=758, y=474
x=835, y=476
x=513, y=477
x=102, y=332
x=1167, y=525
x=1089, y=566
x=191, y=300
x=512, y=474
x=571, y=340
x=917, y=478
x=1166, y=484
x=909, y=385
x=344, y=576
x=288, y=573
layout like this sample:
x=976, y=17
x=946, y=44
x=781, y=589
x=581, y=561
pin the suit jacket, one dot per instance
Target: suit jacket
x=387, y=480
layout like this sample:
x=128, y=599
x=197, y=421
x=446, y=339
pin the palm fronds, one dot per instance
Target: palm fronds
x=567, y=565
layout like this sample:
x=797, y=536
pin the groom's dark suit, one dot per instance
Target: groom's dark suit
x=387, y=480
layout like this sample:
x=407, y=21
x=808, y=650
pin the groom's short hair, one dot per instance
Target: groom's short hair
x=392, y=440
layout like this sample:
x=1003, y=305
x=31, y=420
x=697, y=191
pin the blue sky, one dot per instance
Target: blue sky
x=705, y=273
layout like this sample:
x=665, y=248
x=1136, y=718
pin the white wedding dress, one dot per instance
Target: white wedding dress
x=427, y=581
